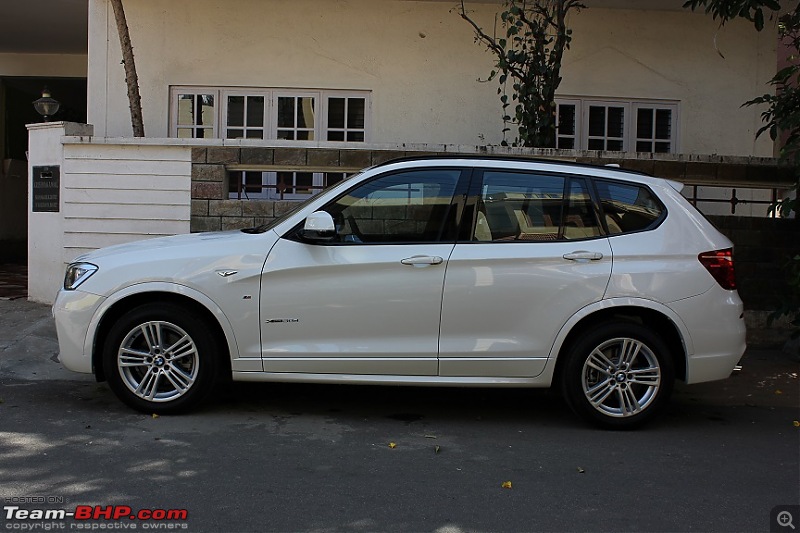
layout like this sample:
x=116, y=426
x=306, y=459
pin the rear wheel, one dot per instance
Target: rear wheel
x=161, y=358
x=618, y=375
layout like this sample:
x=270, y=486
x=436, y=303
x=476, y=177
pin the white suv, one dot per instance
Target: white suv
x=429, y=271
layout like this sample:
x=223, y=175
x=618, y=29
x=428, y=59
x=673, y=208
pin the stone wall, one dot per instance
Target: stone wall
x=212, y=210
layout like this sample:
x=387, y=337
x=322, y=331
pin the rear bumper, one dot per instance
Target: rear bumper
x=715, y=321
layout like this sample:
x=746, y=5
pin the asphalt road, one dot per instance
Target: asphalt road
x=276, y=457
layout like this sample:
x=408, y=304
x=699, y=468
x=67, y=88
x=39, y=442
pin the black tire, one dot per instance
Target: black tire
x=615, y=392
x=172, y=373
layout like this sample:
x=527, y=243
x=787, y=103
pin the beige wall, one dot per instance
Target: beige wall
x=421, y=64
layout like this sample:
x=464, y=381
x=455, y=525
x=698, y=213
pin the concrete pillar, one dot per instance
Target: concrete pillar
x=46, y=227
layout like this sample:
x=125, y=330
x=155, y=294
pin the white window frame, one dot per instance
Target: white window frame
x=631, y=107
x=266, y=129
x=271, y=95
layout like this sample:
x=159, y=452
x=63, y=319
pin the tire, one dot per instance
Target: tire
x=618, y=375
x=161, y=358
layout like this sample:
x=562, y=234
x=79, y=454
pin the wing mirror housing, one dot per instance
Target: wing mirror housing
x=319, y=226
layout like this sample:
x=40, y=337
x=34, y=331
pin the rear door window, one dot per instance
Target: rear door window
x=628, y=207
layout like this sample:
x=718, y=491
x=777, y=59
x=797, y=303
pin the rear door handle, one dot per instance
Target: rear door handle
x=422, y=260
x=583, y=255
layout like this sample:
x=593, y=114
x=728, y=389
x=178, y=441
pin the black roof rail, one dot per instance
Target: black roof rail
x=510, y=158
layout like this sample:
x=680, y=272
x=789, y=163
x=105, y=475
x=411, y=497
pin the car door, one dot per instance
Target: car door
x=532, y=256
x=369, y=300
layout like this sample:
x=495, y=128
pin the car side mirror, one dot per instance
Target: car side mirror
x=319, y=226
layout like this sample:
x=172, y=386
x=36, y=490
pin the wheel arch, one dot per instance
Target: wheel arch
x=645, y=312
x=131, y=298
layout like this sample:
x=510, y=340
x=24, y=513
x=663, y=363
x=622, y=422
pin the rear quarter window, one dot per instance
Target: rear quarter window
x=628, y=207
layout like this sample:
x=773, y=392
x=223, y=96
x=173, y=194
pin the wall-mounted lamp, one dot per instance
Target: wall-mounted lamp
x=46, y=105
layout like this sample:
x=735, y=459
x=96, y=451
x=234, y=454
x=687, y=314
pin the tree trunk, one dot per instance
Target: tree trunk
x=131, y=79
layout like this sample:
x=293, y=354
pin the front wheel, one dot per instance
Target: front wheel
x=618, y=375
x=160, y=358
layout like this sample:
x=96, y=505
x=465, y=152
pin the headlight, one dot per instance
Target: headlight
x=77, y=273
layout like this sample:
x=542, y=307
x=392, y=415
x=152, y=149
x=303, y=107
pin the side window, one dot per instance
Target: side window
x=398, y=208
x=520, y=206
x=627, y=207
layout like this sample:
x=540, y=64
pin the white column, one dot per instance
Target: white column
x=46, y=229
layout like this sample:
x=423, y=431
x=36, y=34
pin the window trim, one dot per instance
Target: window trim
x=631, y=105
x=221, y=93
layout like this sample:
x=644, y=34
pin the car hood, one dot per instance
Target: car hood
x=162, y=244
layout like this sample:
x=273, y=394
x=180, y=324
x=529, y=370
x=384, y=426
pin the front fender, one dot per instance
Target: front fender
x=162, y=287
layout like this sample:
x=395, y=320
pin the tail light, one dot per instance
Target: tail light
x=719, y=264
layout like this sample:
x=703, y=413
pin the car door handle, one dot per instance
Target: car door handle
x=422, y=260
x=583, y=255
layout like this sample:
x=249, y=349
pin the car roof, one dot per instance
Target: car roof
x=524, y=163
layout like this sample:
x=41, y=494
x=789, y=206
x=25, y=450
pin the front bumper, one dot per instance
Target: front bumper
x=74, y=312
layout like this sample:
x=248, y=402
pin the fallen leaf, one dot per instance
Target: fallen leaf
x=581, y=470
x=392, y=445
x=778, y=391
x=796, y=423
x=155, y=415
x=506, y=485
x=436, y=449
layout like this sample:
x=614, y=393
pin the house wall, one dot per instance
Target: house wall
x=419, y=61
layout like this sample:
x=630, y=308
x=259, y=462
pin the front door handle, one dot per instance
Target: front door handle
x=583, y=255
x=422, y=260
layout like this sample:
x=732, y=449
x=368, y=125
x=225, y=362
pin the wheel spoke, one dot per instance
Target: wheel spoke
x=649, y=377
x=149, y=385
x=629, y=350
x=182, y=348
x=151, y=331
x=600, y=362
x=179, y=379
x=627, y=401
x=598, y=393
x=129, y=357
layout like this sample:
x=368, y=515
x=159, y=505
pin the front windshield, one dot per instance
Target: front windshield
x=272, y=223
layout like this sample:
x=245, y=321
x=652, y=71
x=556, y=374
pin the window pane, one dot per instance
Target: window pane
x=235, y=134
x=355, y=136
x=286, y=134
x=580, y=221
x=644, y=146
x=186, y=110
x=255, y=111
x=335, y=135
x=305, y=135
x=613, y=145
x=205, y=133
x=255, y=134
x=305, y=112
x=303, y=183
x=185, y=133
x=335, y=114
x=597, y=144
x=566, y=119
x=206, y=103
x=663, y=124
x=597, y=122
x=518, y=206
x=627, y=207
x=566, y=143
x=355, y=113
x=332, y=178
x=285, y=113
x=644, y=125
x=616, y=117
x=663, y=148
x=235, y=111
x=398, y=208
